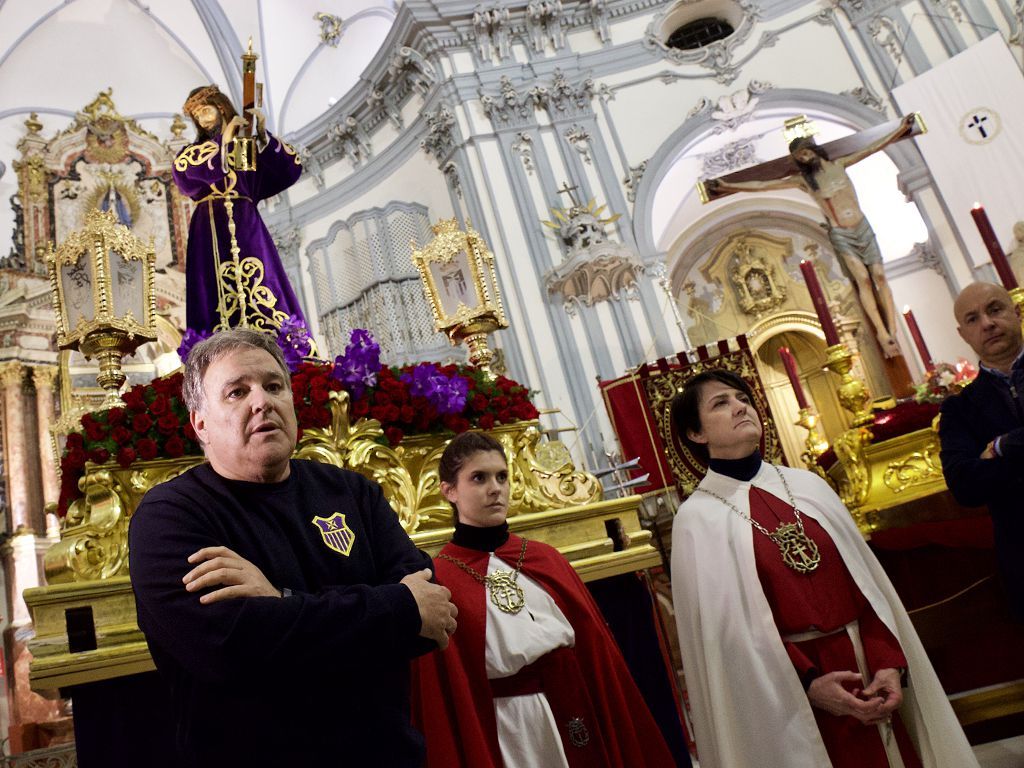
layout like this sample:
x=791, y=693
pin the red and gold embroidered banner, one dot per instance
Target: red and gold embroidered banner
x=639, y=407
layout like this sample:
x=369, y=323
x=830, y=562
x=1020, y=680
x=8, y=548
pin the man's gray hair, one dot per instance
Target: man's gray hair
x=207, y=352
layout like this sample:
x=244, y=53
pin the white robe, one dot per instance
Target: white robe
x=527, y=732
x=749, y=707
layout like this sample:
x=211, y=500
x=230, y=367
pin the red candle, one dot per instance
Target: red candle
x=820, y=305
x=995, y=250
x=915, y=334
x=794, y=377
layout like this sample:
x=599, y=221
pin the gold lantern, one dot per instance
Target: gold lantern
x=457, y=270
x=101, y=278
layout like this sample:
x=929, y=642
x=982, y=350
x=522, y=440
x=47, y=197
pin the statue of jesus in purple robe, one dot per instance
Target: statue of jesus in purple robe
x=233, y=274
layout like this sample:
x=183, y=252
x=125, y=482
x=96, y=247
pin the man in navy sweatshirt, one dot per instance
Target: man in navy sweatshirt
x=982, y=428
x=281, y=598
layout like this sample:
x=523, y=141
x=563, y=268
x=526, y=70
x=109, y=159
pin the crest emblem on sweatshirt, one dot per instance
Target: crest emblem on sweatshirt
x=336, y=533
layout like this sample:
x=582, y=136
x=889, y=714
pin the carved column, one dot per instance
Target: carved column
x=44, y=377
x=12, y=375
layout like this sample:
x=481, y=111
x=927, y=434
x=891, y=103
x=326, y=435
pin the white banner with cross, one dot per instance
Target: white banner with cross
x=973, y=105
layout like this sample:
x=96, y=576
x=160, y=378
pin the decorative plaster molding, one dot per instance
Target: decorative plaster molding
x=561, y=98
x=599, y=19
x=731, y=111
x=1017, y=38
x=288, y=240
x=492, y=31
x=951, y=8
x=440, y=139
x=604, y=277
x=544, y=21
x=523, y=146
x=383, y=102
x=352, y=139
x=718, y=56
x=510, y=107
x=310, y=164
x=865, y=96
x=579, y=140
x=568, y=100
x=451, y=173
x=887, y=36
x=929, y=257
x=861, y=10
x=632, y=181
x=330, y=28
x=734, y=155
x=408, y=66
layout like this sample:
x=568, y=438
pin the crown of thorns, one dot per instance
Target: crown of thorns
x=199, y=98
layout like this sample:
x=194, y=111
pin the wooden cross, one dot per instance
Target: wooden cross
x=785, y=166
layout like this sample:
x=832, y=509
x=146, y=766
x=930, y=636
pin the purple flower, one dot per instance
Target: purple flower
x=357, y=368
x=294, y=341
x=189, y=340
x=447, y=395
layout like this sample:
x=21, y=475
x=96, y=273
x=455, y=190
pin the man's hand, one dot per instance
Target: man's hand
x=219, y=566
x=887, y=689
x=437, y=612
x=827, y=693
x=990, y=451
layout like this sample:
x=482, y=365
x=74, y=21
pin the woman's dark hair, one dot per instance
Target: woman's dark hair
x=685, y=408
x=458, y=451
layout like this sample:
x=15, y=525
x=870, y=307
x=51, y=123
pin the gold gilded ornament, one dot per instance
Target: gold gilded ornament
x=502, y=586
x=798, y=550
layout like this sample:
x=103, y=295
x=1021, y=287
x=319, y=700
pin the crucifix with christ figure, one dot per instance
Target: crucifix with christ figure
x=820, y=171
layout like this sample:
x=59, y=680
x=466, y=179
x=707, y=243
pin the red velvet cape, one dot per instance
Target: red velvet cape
x=451, y=697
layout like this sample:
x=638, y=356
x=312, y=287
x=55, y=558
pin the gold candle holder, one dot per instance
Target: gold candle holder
x=815, y=444
x=853, y=393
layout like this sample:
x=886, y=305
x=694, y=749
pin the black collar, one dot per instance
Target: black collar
x=480, y=539
x=738, y=469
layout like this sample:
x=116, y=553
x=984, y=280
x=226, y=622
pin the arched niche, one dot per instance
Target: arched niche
x=667, y=201
x=801, y=334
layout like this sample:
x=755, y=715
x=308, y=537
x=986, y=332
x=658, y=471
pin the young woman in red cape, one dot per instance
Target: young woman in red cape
x=532, y=677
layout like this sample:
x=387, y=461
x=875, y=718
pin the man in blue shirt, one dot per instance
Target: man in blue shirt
x=982, y=428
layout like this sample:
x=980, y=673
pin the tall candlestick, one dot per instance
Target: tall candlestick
x=995, y=250
x=820, y=305
x=794, y=377
x=915, y=334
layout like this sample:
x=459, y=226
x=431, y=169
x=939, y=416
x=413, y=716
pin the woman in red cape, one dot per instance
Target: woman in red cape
x=532, y=677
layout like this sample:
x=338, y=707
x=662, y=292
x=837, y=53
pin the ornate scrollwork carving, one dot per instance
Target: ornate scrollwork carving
x=352, y=139
x=94, y=540
x=718, y=56
x=914, y=469
x=855, y=480
x=440, y=139
x=734, y=155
